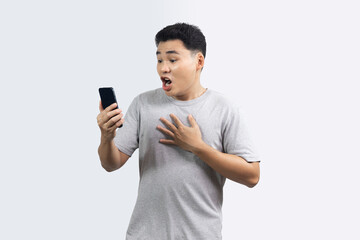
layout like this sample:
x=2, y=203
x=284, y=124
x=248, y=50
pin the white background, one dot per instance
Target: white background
x=292, y=65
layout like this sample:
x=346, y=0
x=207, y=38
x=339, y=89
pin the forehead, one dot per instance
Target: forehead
x=172, y=45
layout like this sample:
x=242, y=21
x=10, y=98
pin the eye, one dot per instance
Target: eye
x=159, y=61
x=172, y=60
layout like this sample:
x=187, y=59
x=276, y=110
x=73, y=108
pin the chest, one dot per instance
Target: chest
x=209, y=121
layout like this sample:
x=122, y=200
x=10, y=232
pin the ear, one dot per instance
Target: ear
x=200, y=61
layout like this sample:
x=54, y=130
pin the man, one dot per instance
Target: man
x=190, y=140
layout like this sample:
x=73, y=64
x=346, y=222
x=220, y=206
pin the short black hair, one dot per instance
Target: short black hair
x=190, y=35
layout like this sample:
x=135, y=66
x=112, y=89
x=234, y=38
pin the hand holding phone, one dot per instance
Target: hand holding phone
x=107, y=96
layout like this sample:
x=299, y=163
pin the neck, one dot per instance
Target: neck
x=192, y=93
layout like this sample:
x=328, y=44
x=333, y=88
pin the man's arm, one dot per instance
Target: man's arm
x=110, y=156
x=109, y=120
x=230, y=166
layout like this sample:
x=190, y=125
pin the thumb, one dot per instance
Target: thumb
x=192, y=121
x=101, y=107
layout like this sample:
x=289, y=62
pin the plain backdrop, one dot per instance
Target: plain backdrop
x=293, y=66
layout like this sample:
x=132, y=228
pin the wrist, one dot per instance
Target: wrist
x=106, y=139
x=200, y=148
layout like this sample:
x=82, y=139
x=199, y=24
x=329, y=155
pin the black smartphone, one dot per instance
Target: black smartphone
x=107, y=96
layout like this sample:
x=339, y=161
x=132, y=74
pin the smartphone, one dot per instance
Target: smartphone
x=107, y=96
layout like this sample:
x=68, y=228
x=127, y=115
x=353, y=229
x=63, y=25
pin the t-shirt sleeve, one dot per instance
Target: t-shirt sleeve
x=127, y=137
x=236, y=138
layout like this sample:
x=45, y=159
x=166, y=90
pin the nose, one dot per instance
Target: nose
x=164, y=68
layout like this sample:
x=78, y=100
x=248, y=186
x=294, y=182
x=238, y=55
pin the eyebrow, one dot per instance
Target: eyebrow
x=168, y=52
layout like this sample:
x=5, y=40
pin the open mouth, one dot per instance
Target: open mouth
x=166, y=83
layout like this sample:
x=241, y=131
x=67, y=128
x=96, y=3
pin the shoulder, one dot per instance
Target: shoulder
x=222, y=98
x=223, y=101
x=149, y=100
x=150, y=93
x=148, y=96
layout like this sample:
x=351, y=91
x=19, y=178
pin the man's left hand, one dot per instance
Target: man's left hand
x=188, y=138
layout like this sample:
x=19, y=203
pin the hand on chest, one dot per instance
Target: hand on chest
x=176, y=126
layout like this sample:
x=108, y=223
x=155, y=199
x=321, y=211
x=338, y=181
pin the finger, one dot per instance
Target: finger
x=101, y=107
x=168, y=124
x=117, y=124
x=121, y=122
x=176, y=120
x=192, y=121
x=112, y=121
x=111, y=107
x=104, y=116
x=113, y=113
x=167, y=141
x=166, y=131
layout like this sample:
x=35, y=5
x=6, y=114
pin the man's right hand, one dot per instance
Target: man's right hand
x=109, y=119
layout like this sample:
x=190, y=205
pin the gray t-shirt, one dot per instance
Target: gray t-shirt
x=179, y=195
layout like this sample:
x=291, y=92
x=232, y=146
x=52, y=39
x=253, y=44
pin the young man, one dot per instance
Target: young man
x=190, y=140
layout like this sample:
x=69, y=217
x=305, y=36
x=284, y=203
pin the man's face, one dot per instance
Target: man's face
x=177, y=68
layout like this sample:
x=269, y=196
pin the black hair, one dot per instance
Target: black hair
x=190, y=35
